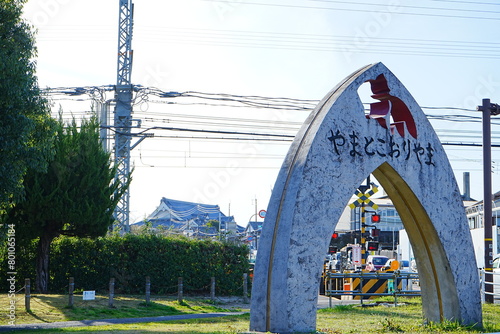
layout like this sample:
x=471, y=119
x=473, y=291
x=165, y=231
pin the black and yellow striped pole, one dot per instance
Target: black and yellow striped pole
x=363, y=200
x=363, y=239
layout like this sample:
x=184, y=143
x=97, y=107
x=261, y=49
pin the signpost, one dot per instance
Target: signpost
x=363, y=200
x=356, y=255
x=89, y=295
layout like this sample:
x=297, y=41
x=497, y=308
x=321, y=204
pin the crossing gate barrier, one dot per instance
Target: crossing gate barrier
x=368, y=285
x=373, y=287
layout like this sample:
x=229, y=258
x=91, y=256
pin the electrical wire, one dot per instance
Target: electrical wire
x=461, y=49
x=260, y=102
x=258, y=130
x=317, y=40
x=362, y=10
x=408, y=6
x=294, y=41
x=469, y=2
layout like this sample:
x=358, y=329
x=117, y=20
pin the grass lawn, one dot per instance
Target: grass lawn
x=407, y=318
x=384, y=318
x=52, y=308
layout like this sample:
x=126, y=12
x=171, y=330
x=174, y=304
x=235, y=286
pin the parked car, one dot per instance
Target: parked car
x=413, y=266
x=378, y=261
x=496, y=272
x=403, y=265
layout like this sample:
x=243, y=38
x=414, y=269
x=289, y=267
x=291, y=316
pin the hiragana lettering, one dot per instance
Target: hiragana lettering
x=334, y=138
x=419, y=150
x=368, y=142
x=430, y=154
x=407, y=147
x=393, y=149
x=354, y=142
x=382, y=147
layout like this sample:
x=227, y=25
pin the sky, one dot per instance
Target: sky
x=446, y=53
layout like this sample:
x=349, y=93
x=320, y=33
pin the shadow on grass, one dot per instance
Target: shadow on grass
x=50, y=308
x=227, y=324
x=404, y=311
x=37, y=317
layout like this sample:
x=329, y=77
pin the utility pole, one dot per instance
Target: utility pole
x=123, y=109
x=256, y=215
x=363, y=189
x=487, y=109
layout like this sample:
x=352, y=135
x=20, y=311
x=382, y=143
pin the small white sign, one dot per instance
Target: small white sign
x=89, y=295
x=356, y=255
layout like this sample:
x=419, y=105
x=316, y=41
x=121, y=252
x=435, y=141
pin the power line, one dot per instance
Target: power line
x=169, y=128
x=152, y=33
x=410, y=7
x=362, y=10
x=297, y=41
x=325, y=43
x=469, y=2
x=259, y=122
x=233, y=100
x=234, y=139
x=276, y=129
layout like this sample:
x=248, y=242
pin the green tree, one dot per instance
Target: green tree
x=213, y=223
x=26, y=129
x=75, y=197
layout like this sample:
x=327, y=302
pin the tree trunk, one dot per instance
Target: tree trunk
x=42, y=262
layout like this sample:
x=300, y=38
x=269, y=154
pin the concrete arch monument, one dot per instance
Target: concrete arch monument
x=336, y=149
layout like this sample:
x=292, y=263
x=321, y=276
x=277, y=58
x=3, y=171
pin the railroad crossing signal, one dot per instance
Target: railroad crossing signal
x=364, y=197
x=372, y=246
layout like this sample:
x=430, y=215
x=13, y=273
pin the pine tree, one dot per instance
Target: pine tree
x=75, y=197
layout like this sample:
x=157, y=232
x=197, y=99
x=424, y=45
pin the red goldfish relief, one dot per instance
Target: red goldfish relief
x=390, y=107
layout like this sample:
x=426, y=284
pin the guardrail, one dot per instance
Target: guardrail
x=364, y=285
x=496, y=286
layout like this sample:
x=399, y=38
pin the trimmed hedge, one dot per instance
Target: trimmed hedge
x=131, y=258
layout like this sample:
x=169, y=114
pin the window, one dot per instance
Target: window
x=496, y=263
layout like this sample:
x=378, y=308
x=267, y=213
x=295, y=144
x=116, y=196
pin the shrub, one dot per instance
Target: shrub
x=129, y=259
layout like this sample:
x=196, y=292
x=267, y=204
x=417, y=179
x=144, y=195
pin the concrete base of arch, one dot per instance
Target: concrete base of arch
x=336, y=149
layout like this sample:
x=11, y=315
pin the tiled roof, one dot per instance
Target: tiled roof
x=178, y=214
x=183, y=210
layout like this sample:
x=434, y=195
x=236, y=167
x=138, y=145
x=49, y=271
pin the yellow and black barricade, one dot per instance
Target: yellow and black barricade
x=374, y=284
x=368, y=284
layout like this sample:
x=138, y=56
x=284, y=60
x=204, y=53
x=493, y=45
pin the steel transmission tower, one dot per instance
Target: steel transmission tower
x=123, y=109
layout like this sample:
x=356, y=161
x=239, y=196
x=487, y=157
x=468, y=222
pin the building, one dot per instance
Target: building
x=390, y=223
x=252, y=235
x=476, y=224
x=389, y=230
x=386, y=231
x=191, y=219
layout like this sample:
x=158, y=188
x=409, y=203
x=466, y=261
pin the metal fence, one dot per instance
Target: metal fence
x=495, y=284
x=365, y=285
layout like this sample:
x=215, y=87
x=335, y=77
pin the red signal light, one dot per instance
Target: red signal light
x=335, y=235
x=372, y=246
x=375, y=218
